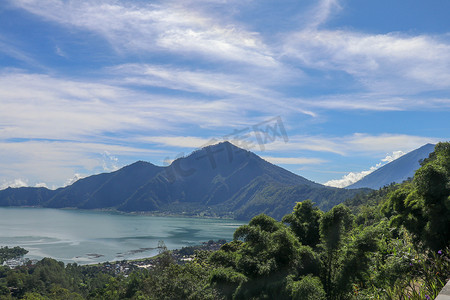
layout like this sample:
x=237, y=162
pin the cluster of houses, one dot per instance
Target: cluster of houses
x=18, y=262
x=125, y=267
x=179, y=256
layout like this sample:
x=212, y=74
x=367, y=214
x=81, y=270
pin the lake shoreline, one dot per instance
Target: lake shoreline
x=137, y=213
x=95, y=236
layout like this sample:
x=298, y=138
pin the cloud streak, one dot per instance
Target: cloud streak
x=358, y=143
x=12, y=51
x=156, y=27
x=188, y=80
x=322, y=12
x=52, y=108
x=393, y=63
x=294, y=160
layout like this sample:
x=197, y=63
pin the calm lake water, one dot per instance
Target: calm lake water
x=91, y=236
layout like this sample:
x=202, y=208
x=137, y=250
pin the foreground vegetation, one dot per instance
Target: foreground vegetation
x=7, y=253
x=390, y=244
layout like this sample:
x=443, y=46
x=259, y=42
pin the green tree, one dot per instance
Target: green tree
x=11, y=253
x=304, y=221
x=51, y=273
x=334, y=228
x=34, y=296
x=258, y=261
x=59, y=293
x=423, y=206
x=190, y=281
x=357, y=258
x=227, y=280
x=307, y=288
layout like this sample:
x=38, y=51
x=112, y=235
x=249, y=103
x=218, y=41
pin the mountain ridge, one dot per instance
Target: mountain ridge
x=220, y=180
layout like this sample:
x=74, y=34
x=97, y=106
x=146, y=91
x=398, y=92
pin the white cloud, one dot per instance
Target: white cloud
x=394, y=156
x=387, y=64
x=74, y=179
x=188, y=80
x=110, y=162
x=349, y=179
x=40, y=185
x=249, y=90
x=322, y=12
x=352, y=144
x=177, y=141
x=374, y=102
x=60, y=52
x=353, y=177
x=40, y=106
x=156, y=27
x=386, y=142
x=389, y=68
x=59, y=122
x=7, y=47
x=16, y=183
x=294, y=160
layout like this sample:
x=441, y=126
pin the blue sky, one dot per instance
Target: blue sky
x=89, y=86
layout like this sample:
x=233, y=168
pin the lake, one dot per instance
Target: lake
x=87, y=237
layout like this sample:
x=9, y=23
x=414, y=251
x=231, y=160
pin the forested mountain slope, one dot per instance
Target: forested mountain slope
x=220, y=180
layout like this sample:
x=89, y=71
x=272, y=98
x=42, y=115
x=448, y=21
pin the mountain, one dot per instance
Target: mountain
x=219, y=180
x=105, y=190
x=396, y=171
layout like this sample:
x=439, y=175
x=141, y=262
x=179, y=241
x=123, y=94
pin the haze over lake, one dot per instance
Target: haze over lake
x=93, y=236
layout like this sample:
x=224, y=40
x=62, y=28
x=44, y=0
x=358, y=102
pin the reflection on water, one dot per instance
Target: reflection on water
x=92, y=236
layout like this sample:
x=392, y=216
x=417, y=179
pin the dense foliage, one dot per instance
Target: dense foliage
x=7, y=253
x=390, y=244
x=423, y=205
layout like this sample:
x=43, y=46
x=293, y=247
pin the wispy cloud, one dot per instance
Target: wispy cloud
x=322, y=12
x=57, y=108
x=177, y=141
x=60, y=52
x=387, y=69
x=374, y=102
x=63, y=125
x=110, y=162
x=74, y=179
x=294, y=160
x=188, y=80
x=393, y=63
x=13, y=51
x=248, y=90
x=358, y=143
x=386, y=142
x=393, y=156
x=156, y=27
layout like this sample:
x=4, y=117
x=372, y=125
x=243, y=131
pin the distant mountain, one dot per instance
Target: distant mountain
x=396, y=171
x=219, y=180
